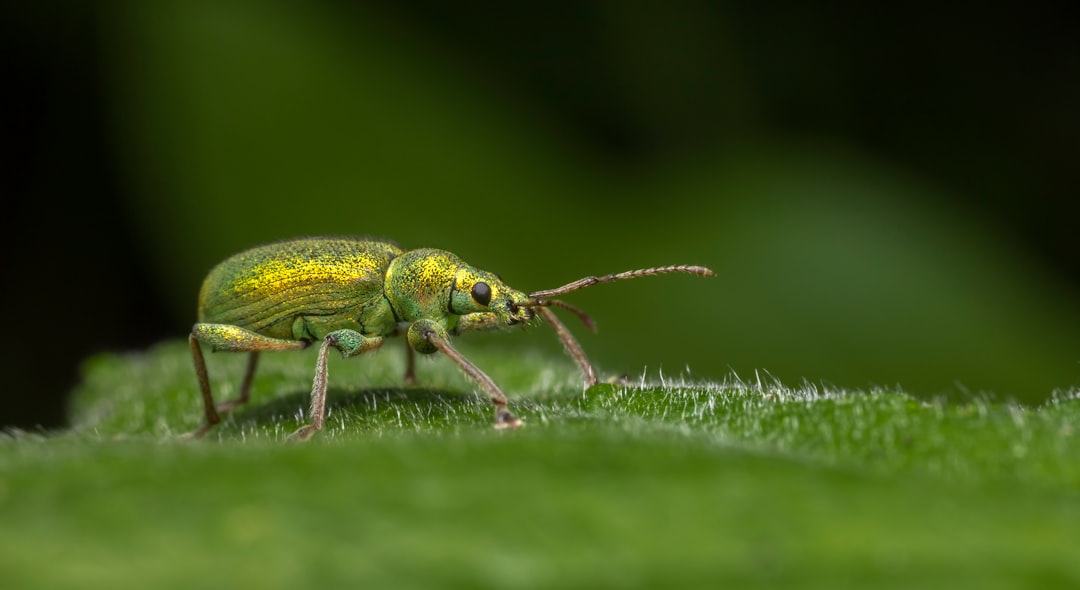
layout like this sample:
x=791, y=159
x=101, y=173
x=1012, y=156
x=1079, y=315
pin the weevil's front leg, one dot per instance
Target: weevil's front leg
x=427, y=336
x=486, y=322
x=222, y=337
x=350, y=343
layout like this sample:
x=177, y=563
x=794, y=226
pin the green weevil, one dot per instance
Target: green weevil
x=351, y=294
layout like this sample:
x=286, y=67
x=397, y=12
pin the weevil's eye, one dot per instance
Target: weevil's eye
x=481, y=293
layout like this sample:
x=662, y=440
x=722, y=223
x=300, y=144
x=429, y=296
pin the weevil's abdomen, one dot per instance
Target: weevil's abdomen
x=266, y=288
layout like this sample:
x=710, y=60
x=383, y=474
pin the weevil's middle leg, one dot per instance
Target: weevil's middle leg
x=350, y=343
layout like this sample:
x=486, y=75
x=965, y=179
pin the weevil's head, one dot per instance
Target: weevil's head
x=433, y=284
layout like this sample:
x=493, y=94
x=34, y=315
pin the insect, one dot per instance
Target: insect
x=351, y=294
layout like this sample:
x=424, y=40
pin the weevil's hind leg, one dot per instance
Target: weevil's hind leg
x=232, y=339
x=570, y=344
x=212, y=417
x=350, y=343
x=410, y=365
x=245, y=385
x=431, y=333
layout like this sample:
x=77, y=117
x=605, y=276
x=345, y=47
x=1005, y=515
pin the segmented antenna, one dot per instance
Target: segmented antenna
x=540, y=296
x=539, y=300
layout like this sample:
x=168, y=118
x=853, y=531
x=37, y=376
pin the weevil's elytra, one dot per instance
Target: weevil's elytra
x=351, y=294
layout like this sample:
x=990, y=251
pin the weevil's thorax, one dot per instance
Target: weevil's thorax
x=437, y=285
x=418, y=283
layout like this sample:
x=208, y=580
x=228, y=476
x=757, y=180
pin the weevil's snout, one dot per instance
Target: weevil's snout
x=536, y=302
x=519, y=313
x=519, y=309
x=479, y=291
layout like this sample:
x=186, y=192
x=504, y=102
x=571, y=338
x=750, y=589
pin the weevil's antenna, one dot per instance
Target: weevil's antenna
x=584, y=317
x=540, y=301
x=540, y=297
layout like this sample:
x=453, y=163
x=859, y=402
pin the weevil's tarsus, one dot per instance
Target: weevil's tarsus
x=630, y=274
x=570, y=344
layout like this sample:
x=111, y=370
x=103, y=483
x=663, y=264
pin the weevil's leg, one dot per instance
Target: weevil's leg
x=570, y=344
x=245, y=385
x=212, y=417
x=410, y=365
x=222, y=337
x=427, y=336
x=350, y=343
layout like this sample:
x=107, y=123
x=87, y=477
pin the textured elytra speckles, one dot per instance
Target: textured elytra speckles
x=265, y=289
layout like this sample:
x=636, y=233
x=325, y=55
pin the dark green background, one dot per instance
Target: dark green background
x=887, y=194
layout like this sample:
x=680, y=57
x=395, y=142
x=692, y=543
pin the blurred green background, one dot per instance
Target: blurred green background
x=887, y=194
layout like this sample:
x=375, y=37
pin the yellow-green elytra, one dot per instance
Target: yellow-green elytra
x=350, y=294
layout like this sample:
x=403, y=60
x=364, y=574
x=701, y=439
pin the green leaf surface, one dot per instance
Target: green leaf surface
x=665, y=483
